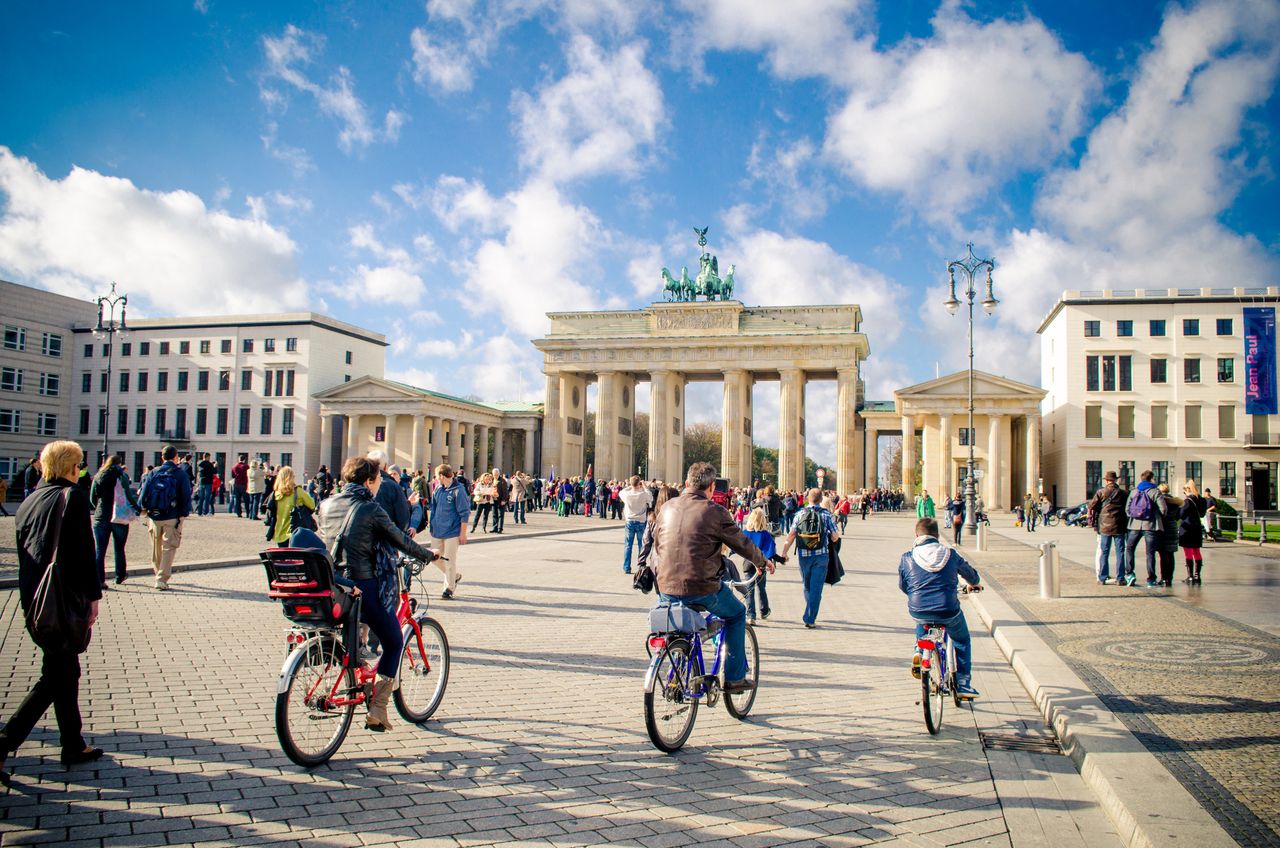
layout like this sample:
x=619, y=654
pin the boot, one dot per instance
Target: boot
x=378, y=720
x=1191, y=574
x=1199, y=564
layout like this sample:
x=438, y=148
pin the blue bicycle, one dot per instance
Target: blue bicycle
x=677, y=680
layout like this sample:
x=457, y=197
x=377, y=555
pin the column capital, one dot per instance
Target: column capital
x=847, y=373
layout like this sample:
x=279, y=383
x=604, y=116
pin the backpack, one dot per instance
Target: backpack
x=160, y=494
x=1140, y=507
x=810, y=532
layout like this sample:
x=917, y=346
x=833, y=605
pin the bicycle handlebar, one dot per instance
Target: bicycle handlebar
x=744, y=584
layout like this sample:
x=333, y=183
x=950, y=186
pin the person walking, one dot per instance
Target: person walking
x=955, y=516
x=1191, y=531
x=1029, y=513
x=1107, y=517
x=240, y=486
x=636, y=502
x=205, y=472
x=812, y=532
x=483, y=497
x=450, y=508
x=757, y=530
x=102, y=499
x=52, y=531
x=924, y=506
x=287, y=496
x=166, y=497
x=1168, y=535
x=31, y=477
x=257, y=477
x=1144, y=508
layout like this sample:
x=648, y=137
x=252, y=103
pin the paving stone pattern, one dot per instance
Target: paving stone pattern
x=1200, y=691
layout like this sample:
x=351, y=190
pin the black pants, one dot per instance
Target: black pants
x=481, y=517
x=59, y=686
x=959, y=528
x=499, y=517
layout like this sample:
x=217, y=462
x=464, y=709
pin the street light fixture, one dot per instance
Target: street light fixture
x=969, y=266
x=106, y=330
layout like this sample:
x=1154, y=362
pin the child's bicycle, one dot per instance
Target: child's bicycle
x=677, y=680
x=938, y=671
x=321, y=682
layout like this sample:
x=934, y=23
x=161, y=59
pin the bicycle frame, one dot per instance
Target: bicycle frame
x=927, y=643
x=695, y=655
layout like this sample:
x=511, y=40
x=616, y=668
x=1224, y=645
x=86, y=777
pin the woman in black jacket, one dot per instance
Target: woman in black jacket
x=1168, y=535
x=353, y=525
x=1191, y=531
x=54, y=520
x=102, y=497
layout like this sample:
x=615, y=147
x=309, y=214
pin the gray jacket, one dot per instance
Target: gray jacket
x=1157, y=498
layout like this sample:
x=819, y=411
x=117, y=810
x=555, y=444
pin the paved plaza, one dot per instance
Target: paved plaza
x=541, y=739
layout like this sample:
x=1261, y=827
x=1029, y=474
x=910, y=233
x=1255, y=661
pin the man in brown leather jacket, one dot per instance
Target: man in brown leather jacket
x=688, y=536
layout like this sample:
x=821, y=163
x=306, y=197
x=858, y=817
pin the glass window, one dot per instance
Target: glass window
x=964, y=436
x=1093, y=422
x=102, y=420
x=248, y=345
x=1159, y=370
x=15, y=338
x=183, y=378
x=1190, y=326
x=124, y=381
x=1226, y=369
x=144, y=348
x=88, y=351
x=1227, y=479
x=267, y=375
x=140, y=420
x=50, y=385
x=11, y=379
x=1191, y=416
x=204, y=345
x=84, y=422
x=202, y=381
x=162, y=420
x=143, y=380
x=244, y=420
x=1091, y=373
x=1191, y=370
x=1157, y=329
x=1195, y=469
x=126, y=348
x=51, y=344
x=1126, y=373
x=184, y=347
x=291, y=345
x=162, y=381
x=286, y=458
x=1124, y=329
x=1159, y=422
x=246, y=380
x=11, y=420
x=221, y=428
x=1224, y=326
x=180, y=422
x=1092, y=329
x=265, y=424
x=226, y=345
x=224, y=380
x=86, y=382
x=286, y=421
x=1126, y=474
x=202, y=420
x=1160, y=468
x=1126, y=421
x=1092, y=476
x=1227, y=421
x=288, y=390
x=269, y=345
x=1108, y=373
x=164, y=348
x=46, y=424
x=102, y=382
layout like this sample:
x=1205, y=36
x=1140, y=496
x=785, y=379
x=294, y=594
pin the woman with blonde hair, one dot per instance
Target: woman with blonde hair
x=485, y=494
x=757, y=530
x=1191, y=531
x=285, y=497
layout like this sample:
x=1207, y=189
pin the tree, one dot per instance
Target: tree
x=702, y=444
x=588, y=440
x=640, y=442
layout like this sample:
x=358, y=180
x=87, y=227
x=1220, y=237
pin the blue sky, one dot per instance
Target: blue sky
x=447, y=172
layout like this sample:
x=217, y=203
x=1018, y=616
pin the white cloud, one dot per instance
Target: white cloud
x=168, y=249
x=502, y=368
x=296, y=158
x=597, y=119
x=792, y=175
x=419, y=377
x=395, y=281
x=288, y=56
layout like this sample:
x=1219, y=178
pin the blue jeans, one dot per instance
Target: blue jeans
x=255, y=504
x=635, y=537
x=1105, y=544
x=813, y=576
x=764, y=595
x=958, y=630
x=518, y=512
x=725, y=605
x=239, y=501
x=118, y=534
x=204, y=506
x=383, y=624
x=1131, y=551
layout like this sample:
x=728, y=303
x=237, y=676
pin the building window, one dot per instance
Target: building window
x=126, y=348
x=1227, y=479
x=143, y=377
x=226, y=345
x=180, y=422
x=51, y=344
x=1190, y=326
x=15, y=338
x=1093, y=422
x=162, y=416
x=1191, y=416
x=291, y=345
x=46, y=424
x=1126, y=473
x=246, y=380
x=86, y=382
x=1092, y=329
x=1160, y=470
x=183, y=378
x=11, y=420
x=164, y=348
x=88, y=351
x=224, y=380
x=267, y=375
x=202, y=420
x=204, y=345
x=1191, y=370
x=11, y=379
x=1159, y=422
x=1227, y=421
x=286, y=421
x=221, y=421
x=202, y=381
x=346, y=378
x=124, y=381
x=140, y=420
x=288, y=388
x=1092, y=476
x=184, y=348
x=1126, y=373
x=50, y=385
x=286, y=458
x=269, y=345
x=264, y=428
x=964, y=436
x=1091, y=373
x=1126, y=422
x=1224, y=326
x=1226, y=369
x=1194, y=469
x=84, y=422
x=144, y=348
x=1159, y=370
x=102, y=382
x=1108, y=373
x=1124, y=329
x=122, y=421
x=102, y=420
x=1157, y=329
x=244, y=420
x=162, y=381
x=248, y=346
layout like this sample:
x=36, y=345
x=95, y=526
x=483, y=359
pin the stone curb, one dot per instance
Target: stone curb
x=1147, y=804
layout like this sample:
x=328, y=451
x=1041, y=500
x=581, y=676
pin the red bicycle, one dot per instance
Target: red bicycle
x=321, y=683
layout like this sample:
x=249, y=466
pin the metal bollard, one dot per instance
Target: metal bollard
x=1050, y=579
x=982, y=537
x=1239, y=528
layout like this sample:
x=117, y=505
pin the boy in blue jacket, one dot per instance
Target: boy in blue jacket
x=928, y=575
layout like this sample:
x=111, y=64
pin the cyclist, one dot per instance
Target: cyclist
x=929, y=576
x=689, y=533
x=352, y=525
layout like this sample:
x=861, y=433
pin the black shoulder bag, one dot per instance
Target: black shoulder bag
x=56, y=620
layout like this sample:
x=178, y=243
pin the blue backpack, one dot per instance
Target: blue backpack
x=1140, y=507
x=160, y=493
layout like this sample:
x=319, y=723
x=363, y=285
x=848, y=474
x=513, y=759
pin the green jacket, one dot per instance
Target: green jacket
x=924, y=507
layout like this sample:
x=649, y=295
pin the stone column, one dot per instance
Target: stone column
x=438, y=454
x=527, y=465
x=731, y=429
x=415, y=449
x=353, y=436
x=947, y=484
x=659, y=424
x=748, y=428
x=908, y=456
x=606, y=425
x=995, y=453
x=500, y=450
x=573, y=413
x=326, y=440
x=790, y=437
x=675, y=448
x=389, y=438
x=624, y=432
x=481, y=434
x=1033, y=453
x=847, y=430
x=552, y=427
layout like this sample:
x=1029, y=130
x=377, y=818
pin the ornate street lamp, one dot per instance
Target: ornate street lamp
x=969, y=267
x=107, y=330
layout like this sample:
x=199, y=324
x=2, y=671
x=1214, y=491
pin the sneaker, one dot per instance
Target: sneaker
x=965, y=691
x=161, y=586
x=1131, y=580
x=1103, y=581
x=915, y=665
x=809, y=626
x=765, y=613
x=751, y=619
x=626, y=571
x=1153, y=584
x=734, y=687
x=447, y=594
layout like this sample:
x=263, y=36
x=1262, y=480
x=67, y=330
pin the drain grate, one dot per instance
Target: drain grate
x=1020, y=742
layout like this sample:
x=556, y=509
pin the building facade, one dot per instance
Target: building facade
x=35, y=370
x=1155, y=379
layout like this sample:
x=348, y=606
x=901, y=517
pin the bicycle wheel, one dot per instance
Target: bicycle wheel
x=669, y=709
x=309, y=727
x=740, y=704
x=931, y=693
x=424, y=671
x=1051, y=520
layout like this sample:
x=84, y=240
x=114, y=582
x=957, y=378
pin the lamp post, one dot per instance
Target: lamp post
x=969, y=266
x=107, y=330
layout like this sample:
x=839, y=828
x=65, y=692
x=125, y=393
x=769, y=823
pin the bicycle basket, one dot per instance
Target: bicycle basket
x=302, y=580
x=675, y=618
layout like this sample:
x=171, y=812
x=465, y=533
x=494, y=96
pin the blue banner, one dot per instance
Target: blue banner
x=1260, y=360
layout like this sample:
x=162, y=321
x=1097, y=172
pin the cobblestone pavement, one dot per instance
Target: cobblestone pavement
x=540, y=740
x=1201, y=691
